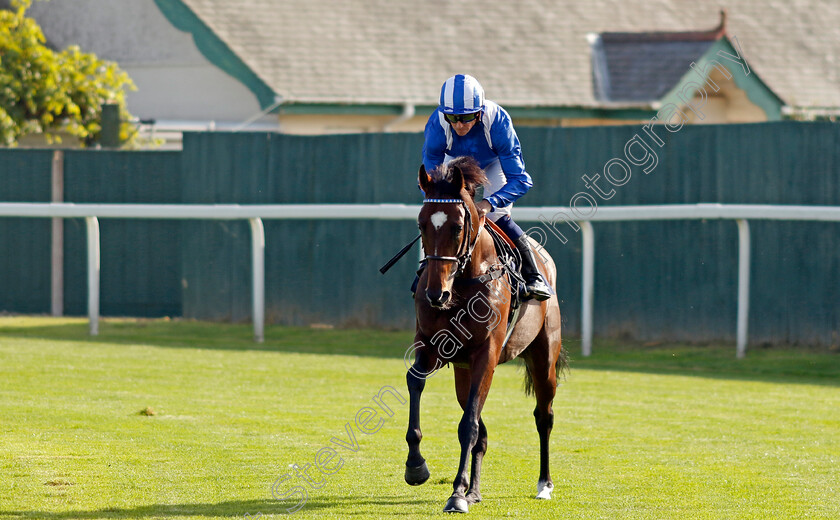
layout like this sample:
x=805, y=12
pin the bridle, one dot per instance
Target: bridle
x=465, y=248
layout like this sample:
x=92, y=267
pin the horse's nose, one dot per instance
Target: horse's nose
x=437, y=298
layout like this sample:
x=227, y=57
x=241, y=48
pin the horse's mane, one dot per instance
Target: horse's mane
x=471, y=171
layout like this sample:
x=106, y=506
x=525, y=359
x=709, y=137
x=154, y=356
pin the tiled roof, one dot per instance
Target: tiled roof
x=525, y=53
x=644, y=66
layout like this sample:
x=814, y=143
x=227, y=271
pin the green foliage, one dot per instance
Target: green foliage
x=47, y=92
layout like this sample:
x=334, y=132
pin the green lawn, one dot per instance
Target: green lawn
x=647, y=432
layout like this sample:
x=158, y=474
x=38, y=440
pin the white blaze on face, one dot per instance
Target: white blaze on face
x=438, y=219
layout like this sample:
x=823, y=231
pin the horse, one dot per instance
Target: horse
x=462, y=304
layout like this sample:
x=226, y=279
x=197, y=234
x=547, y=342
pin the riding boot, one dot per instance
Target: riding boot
x=535, y=286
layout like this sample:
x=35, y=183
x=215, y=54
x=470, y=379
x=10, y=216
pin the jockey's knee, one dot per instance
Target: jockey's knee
x=511, y=229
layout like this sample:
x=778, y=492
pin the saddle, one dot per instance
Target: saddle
x=510, y=263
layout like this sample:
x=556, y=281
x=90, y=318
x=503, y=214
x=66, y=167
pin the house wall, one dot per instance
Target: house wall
x=174, y=80
x=572, y=122
x=319, y=124
x=729, y=104
x=299, y=124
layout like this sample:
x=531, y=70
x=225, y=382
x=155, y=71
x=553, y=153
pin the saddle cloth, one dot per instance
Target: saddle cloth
x=509, y=261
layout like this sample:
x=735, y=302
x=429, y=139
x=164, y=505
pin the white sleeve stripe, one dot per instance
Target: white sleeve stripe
x=490, y=110
x=447, y=130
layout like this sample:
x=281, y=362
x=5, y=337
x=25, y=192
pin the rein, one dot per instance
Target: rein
x=462, y=259
x=465, y=249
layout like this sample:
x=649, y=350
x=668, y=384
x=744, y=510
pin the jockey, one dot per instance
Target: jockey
x=467, y=124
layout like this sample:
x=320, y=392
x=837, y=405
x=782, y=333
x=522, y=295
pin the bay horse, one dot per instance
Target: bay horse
x=462, y=305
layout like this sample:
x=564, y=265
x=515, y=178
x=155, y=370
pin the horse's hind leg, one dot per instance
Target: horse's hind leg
x=462, y=389
x=478, y=451
x=541, y=359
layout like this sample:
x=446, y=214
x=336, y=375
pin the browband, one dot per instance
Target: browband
x=457, y=201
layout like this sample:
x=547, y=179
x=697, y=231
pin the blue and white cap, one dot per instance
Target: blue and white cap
x=461, y=94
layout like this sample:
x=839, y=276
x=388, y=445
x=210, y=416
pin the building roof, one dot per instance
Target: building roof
x=645, y=66
x=528, y=53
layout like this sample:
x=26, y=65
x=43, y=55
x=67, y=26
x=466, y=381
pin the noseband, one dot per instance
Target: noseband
x=466, y=247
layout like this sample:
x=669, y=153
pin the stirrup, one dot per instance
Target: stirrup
x=537, y=289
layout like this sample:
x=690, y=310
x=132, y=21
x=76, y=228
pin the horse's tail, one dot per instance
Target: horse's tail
x=561, y=367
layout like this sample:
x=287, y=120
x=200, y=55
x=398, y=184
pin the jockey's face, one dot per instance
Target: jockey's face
x=463, y=123
x=463, y=129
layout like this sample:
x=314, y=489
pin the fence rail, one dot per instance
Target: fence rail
x=740, y=213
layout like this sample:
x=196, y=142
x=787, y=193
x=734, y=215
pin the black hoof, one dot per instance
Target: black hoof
x=417, y=475
x=473, y=497
x=456, y=505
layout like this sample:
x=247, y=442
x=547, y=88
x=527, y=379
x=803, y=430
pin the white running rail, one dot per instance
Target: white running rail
x=740, y=213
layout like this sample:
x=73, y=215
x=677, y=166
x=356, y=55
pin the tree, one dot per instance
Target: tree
x=51, y=92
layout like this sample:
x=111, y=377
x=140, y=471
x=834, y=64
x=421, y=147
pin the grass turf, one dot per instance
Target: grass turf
x=666, y=431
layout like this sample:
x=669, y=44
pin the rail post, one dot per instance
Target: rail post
x=258, y=277
x=92, y=225
x=743, y=287
x=587, y=287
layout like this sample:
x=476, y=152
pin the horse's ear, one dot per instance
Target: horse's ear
x=424, y=179
x=457, y=178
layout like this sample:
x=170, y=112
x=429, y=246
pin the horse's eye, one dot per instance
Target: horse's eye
x=457, y=229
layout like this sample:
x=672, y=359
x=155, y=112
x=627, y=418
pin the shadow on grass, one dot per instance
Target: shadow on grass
x=232, y=509
x=777, y=364
x=220, y=336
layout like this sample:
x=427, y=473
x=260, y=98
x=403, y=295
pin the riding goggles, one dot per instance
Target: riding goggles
x=461, y=118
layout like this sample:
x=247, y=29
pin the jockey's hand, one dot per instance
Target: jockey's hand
x=484, y=208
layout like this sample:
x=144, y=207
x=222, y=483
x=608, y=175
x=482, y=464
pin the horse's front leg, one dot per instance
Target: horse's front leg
x=416, y=471
x=481, y=375
x=462, y=389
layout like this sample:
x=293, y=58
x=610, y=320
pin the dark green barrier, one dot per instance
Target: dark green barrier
x=678, y=280
x=654, y=280
x=316, y=271
x=25, y=278
x=140, y=259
